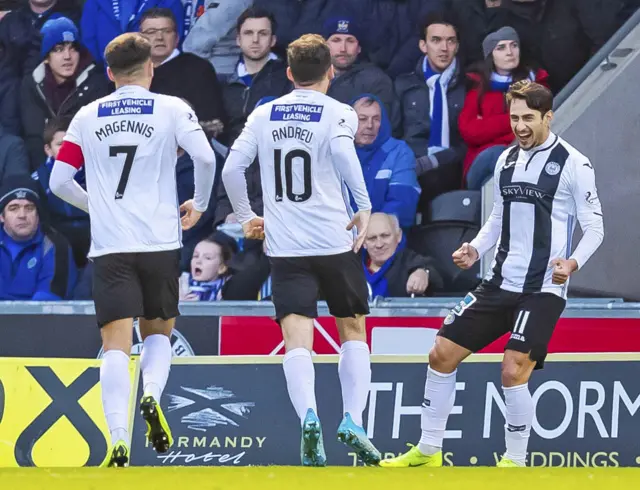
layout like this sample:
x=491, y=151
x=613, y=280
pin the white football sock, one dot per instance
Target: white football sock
x=155, y=363
x=301, y=381
x=354, y=369
x=439, y=397
x=116, y=390
x=519, y=417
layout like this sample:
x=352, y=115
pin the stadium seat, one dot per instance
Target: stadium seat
x=456, y=206
x=439, y=241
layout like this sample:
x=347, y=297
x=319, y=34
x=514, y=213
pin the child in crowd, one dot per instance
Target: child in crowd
x=71, y=222
x=209, y=269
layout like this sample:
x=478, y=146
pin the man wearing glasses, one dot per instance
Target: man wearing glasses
x=201, y=88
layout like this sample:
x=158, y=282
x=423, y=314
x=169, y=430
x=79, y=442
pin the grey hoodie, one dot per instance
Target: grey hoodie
x=213, y=37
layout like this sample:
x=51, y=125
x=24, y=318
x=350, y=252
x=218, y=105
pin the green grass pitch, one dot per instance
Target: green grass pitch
x=331, y=478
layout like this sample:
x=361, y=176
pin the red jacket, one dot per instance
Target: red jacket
x=491, y=125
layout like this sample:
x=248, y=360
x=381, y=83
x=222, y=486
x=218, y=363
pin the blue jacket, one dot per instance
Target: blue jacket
x=389, y=169
x=41, y=269
x=59, y=209
x=100, y=25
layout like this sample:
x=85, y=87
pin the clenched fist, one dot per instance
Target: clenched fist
x=465, y=256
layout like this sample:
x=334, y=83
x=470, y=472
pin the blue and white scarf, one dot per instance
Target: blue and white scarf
x=207, y=290
x=438, y=84
x=244, y=75
x=501, y=83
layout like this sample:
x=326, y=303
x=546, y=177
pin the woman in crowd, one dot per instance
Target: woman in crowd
x=484, y=122
x=209, y=269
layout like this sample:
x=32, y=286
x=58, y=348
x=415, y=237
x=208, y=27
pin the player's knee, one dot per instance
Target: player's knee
x=515, y=370
x=352, y=329
x=439, y=361
x=117, y=335
x=445, y=356
x=157, y=326
x=297, y=332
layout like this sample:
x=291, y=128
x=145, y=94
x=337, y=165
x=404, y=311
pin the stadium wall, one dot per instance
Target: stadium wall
x=234, y=411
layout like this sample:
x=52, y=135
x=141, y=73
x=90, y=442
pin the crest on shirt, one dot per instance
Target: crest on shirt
x=343, y=26
x=342, y=123
x=449, y=319
x=552, y=168
x=32, y=263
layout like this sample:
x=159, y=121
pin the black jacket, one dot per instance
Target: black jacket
x=561, y=35
x=13, y=156
x=91, y=84
x=10, y=104
x=475, y=21
x=405, y=263
x=190, y=77
x=254, y=190
x=240, y=100
x=249, y=271
x=367, y=78
x=413, y=94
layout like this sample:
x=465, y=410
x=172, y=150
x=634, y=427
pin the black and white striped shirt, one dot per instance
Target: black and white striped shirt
x=538, y=194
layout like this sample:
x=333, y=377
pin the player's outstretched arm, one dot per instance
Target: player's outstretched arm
x=62, y=182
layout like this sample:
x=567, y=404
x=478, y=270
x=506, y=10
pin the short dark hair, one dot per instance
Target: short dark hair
x=159, y=13
x=257, y=13
x=228, y=247
x=53, y=126
x=126, y=54
x=437, y=17
x=309, y=59
x=538, y=97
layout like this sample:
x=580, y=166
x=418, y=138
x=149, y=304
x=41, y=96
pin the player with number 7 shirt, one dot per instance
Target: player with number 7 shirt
x=128, y=143
x=305, y=144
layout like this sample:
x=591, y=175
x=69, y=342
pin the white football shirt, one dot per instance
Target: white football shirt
x=304, y=181
x=130, y=141
x=538, y=194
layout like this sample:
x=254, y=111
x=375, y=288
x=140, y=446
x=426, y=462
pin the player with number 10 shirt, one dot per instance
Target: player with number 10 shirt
x=304, y=142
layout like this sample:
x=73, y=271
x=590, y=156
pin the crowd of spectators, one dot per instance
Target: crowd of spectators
x=426, y=77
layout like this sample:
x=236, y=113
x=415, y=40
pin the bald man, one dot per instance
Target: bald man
x=392, y=270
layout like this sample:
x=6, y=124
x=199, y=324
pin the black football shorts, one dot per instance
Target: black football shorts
x=486, y=314
x=298, y=282
x=131, y=285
